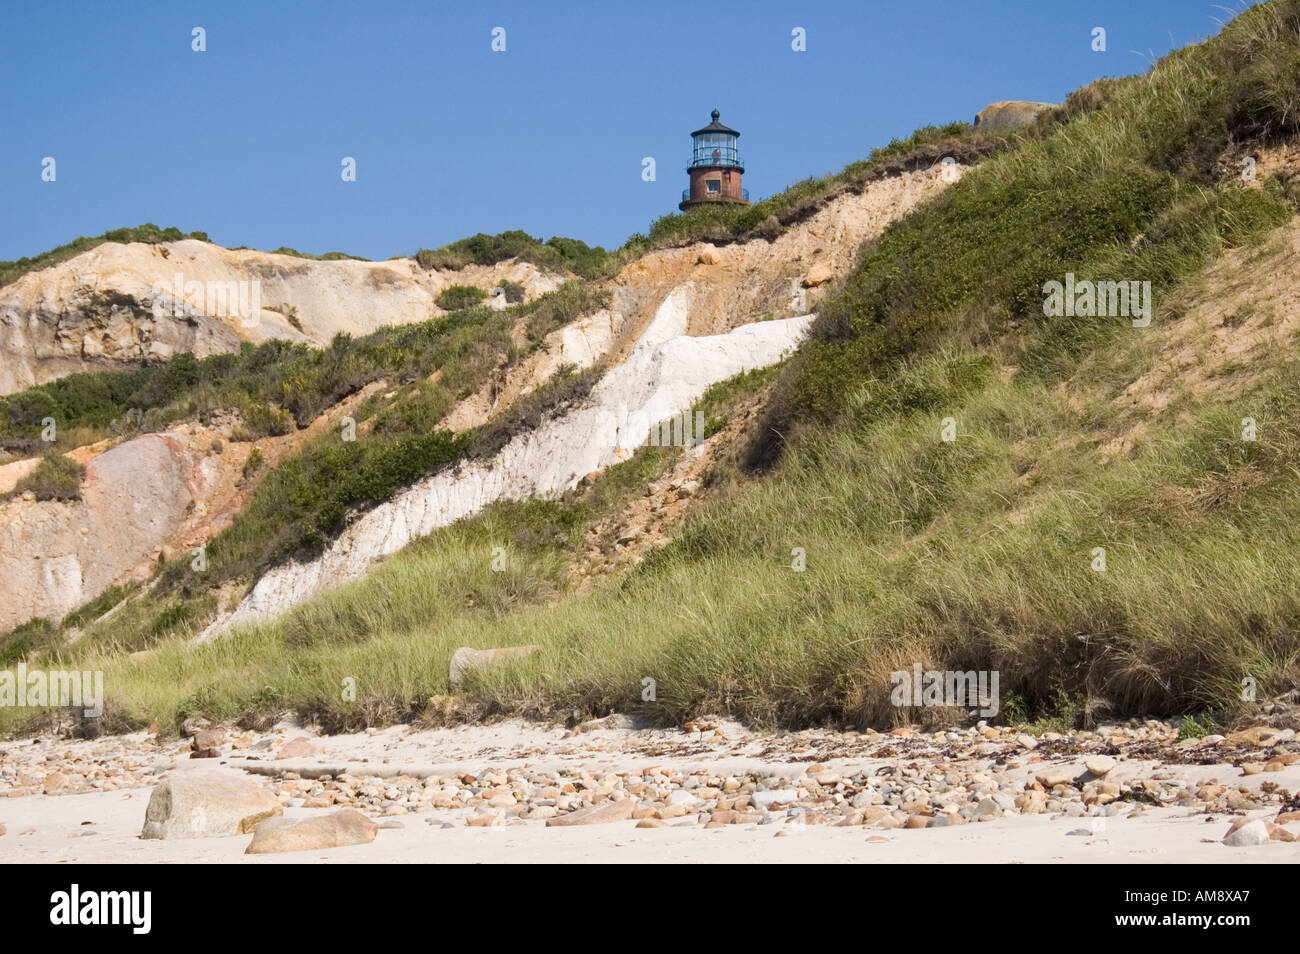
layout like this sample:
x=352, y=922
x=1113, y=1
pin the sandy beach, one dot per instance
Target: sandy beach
x=715, y=792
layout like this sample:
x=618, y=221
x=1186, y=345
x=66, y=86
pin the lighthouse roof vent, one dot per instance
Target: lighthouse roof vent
x=715, y=127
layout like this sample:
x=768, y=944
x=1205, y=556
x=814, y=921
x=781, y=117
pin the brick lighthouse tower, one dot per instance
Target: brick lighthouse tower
x=715, y=168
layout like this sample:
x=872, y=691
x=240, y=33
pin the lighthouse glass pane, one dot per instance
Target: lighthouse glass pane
x=717, y=149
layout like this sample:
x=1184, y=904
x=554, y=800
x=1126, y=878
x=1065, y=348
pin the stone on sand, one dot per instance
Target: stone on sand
x=335, y=830
x=207, y=804
x=299, y=748
x=611, y=811
x=1248, y=835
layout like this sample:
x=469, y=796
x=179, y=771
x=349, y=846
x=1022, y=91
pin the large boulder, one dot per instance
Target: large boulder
x=1008, y=114
x=601, y=814
x=336, y=830
x=203, y=803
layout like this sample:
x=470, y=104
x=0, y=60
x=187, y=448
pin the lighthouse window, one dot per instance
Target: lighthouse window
x=716, y=149
x=713, y=185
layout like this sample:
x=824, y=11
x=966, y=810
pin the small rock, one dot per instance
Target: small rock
x=765, y=800
x=819, y=274
x=193, y=724
x=1008, y=114
x=1258, y=735
x=1278, y=833
x=208, y=739
x=1058, y=775
x=1250, y=834
x=299, y=748
x=1100, y=765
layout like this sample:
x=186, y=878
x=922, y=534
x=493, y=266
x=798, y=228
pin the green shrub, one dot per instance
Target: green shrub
x=27, y=641
x=97, y=607
x=303, y=503
x=458, y=297
x=56, y=477
x=555, y=254
x=326, y=257
x=253, y=464
x=1196, y=726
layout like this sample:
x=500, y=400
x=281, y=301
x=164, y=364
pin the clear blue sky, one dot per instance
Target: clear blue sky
x=245, y=141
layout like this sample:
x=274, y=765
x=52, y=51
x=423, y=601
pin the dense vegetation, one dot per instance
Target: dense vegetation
x=55, y=477
x=277, y=386
x=979, y=552
x=457, y=297
x=556, y=253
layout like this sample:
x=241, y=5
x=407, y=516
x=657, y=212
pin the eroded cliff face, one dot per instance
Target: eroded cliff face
x=663, y=375
x=678, y=320
x=117, y=306
x=56, y=556
x=733, y=285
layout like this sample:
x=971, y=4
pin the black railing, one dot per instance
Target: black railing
x=723, y=160
x=715, y=196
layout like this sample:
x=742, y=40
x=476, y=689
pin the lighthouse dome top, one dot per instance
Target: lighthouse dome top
x=715, y=127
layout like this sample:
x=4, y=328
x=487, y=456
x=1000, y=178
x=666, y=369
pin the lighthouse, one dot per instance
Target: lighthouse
x=715, y=168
